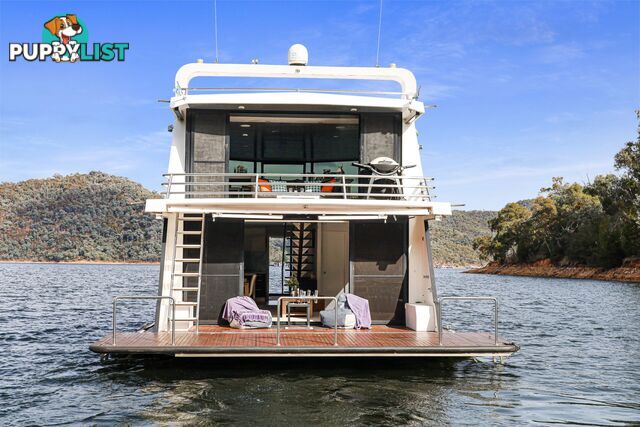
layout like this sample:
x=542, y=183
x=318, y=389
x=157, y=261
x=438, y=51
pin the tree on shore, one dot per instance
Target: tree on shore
x=597, y=224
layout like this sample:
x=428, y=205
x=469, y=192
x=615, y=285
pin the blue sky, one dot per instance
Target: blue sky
x=525, y=90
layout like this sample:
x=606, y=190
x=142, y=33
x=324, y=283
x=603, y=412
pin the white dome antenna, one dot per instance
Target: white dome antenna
x=298, y=55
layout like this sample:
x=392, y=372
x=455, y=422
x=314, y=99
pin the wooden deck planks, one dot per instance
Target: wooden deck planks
x=224, y=338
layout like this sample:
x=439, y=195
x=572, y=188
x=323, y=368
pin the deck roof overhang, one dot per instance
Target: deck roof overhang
x=299, y=206
x=295, y=101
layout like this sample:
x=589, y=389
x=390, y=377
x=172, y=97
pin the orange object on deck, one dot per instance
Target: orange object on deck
x=263, y=184
x=328, y=188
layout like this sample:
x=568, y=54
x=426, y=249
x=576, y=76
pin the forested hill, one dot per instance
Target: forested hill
x=100, y=217
x=571, y=224
x=93, y=217
x=452, y=237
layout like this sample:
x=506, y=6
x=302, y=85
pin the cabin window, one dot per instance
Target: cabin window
x=239, y=166
x=292, y=144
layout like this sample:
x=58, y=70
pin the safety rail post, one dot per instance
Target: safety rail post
x=172, y=301
x=256, y=187
x=344, y=187
x=495, y=313
x=311, y=297
x=169, y=186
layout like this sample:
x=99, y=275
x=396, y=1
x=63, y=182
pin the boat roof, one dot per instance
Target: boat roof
x=282, y=99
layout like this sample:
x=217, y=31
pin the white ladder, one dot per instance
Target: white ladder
x=180, y=232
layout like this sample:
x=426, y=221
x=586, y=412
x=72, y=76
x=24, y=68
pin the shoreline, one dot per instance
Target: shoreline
x=80, y=262
x=629, y=272
x=26, y=261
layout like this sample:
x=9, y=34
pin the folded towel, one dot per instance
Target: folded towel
x=360, y=308
x=243, y=312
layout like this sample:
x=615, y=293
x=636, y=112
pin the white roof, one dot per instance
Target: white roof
x=187, y=97
x=403, y=77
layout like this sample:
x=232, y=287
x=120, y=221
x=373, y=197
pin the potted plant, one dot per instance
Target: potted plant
x=293, y=284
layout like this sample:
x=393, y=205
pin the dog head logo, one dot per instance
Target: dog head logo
x=64, y=28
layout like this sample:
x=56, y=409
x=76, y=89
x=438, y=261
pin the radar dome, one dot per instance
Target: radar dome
x=298, y=55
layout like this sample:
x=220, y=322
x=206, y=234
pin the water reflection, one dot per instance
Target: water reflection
x=578, y=362
x=313, y=391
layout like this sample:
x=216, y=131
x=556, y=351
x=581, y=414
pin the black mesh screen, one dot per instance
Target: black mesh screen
x=335, y=142
x=294, y=142
x=283, y=142
x=243, y=143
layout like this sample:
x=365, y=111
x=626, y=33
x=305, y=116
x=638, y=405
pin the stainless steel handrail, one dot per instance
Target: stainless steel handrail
x=172, y=301
x=495, y=314
x=310, y=298
x=300, y=175
x=405, y=187
x=290, y=184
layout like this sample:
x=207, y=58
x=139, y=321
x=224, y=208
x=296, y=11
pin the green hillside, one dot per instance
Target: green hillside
x=452, y=238
x=93, y=217
x=596, y=224
x=99, y=217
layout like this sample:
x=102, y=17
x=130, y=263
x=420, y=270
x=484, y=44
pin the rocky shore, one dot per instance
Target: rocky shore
x=628, y=272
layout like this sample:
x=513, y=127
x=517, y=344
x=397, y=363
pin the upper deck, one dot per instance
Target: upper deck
x=293, y=150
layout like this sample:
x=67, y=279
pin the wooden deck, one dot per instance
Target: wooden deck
x=218, y=341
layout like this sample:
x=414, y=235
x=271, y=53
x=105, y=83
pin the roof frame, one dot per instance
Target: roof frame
x=402, y=76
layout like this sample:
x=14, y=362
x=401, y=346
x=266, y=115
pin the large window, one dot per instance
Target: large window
x=293, y=143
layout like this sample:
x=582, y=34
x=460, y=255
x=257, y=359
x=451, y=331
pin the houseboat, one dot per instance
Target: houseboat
x=291, y=198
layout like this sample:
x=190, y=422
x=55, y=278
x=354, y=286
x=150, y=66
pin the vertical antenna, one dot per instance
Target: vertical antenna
x=379, y=31
x=215, y=18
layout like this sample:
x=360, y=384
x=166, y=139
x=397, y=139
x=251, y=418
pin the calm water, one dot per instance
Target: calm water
x=578, y=363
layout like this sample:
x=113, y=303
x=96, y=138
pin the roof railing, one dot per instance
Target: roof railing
x=186, y=91
x=401, y=76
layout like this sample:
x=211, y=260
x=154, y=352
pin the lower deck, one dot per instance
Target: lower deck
x=380, y=341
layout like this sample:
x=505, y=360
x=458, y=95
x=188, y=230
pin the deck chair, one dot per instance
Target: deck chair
x=250, y=291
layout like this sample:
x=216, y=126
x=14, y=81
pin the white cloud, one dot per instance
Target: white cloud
x=560, y=53
x=520, y=171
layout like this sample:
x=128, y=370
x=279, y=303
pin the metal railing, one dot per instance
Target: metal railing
x=188, y=90
x=495, y=314
x=172, y=301
x=333, y=186
x=309, y=298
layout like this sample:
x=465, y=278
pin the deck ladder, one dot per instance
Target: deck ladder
x=189, y=266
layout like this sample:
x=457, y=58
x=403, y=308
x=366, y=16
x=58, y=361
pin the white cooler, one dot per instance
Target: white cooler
x=420, y=317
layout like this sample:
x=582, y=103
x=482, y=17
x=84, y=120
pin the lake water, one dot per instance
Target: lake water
x=578, y=363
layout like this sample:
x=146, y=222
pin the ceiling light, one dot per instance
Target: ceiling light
x=351, y=217
x=240, y=107
x=246, y=216
x=245, y=125
x=245, y=134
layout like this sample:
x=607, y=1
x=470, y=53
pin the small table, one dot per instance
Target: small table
x=305, y=305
